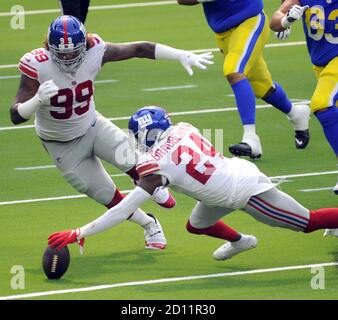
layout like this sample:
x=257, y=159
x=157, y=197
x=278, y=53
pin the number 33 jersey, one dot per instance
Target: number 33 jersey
x=192, y=166
x=72, y=111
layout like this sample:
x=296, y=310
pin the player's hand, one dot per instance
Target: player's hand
x=63, y=238
x=47, y=90
x=200, y=61
x=283, y=35
x=294, y=14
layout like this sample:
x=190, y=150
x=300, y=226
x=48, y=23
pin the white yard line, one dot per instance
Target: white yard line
x=179, y=113
x=316, y=189
x=188, y=86
x=168, y=280
x=94, y=8
x=311, y=174
x=9, y=77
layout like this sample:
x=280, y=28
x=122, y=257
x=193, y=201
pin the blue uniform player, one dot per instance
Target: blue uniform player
x=241, y=30
x=320, y=22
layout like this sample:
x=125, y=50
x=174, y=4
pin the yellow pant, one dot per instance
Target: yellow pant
x=242, y=48
x=326, y=92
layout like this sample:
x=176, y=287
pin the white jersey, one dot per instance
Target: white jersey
x=72, y=111
x=192, y=166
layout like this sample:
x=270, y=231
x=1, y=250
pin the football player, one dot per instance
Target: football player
x=241, y=30
x=178, y=156
x=57, y=86
x=320, y=27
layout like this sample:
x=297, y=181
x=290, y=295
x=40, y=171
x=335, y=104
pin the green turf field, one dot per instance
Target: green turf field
x=117, y=256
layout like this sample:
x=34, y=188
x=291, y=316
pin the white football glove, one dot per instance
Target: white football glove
x=47, y=90
x=294, y=14
x=283, y=35
x=200, y=61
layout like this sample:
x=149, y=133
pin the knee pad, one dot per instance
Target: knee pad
x=79, y=184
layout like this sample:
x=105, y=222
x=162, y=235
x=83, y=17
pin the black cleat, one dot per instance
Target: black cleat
x=243, y=149
x=302, y=138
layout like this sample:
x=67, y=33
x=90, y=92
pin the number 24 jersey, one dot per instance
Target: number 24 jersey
x=192, y=166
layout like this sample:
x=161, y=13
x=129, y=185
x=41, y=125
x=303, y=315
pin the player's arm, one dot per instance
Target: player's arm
x=289, y=12
x=30, y=97
x=192, y=2
x=112, y=217
x=149, y=50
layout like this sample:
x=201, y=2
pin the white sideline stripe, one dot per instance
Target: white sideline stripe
x=188, y=86
x=270, y=45
x=9, y=77
x=93, y=8
x=77, y=196
x=316, y=189
x=127, y=191
x=179, y=113
x=168, y=280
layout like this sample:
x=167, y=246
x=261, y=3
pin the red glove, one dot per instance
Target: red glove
x=63, y=238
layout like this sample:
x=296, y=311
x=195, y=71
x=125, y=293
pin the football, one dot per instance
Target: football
x=55, y=262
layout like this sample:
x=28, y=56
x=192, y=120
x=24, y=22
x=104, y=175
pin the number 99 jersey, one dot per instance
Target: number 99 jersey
x=192, y=166
x=320, y=23
x=72, y=111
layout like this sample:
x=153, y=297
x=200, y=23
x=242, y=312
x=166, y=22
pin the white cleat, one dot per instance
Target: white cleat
x=154, y=236
x=299, y=117
x=231, y=249
x=331, y=232
x=250, y=147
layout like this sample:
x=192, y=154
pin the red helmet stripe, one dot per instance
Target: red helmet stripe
x=65, y=37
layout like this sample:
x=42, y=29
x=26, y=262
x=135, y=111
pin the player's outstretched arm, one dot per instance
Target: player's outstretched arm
x=289, y=12
x=112, y=217
x=124, y=51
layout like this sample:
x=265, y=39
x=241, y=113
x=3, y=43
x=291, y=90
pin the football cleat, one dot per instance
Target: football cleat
x=302, y=139
x=335, y=188
x=331, y=232
x=164, y=198
x=250, y=147
x=154, y=236
x=231, y=249
x=299, y=117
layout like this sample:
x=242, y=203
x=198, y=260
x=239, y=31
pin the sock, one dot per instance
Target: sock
x=323, y=219
x=279, y=99
x=245, y=100
x=218, y=230
x=139, y=217
x=329, y=121
x=249, y=130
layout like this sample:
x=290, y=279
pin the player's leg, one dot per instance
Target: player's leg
x=114, y=146
x=324, y=104
x=272, y=93
x=205, y=220
x=278, y=209
x=241, y=46
x=84, y=10
x=71, y=7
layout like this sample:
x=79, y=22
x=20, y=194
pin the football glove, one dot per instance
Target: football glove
x=189, y=60
x=294, y=14
x=283, y=35
x=47, y=90
x=63, y=238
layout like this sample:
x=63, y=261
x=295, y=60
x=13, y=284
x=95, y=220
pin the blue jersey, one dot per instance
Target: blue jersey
x=223, y=15
x=320, y=23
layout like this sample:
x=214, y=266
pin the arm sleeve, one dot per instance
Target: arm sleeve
x=117, y=214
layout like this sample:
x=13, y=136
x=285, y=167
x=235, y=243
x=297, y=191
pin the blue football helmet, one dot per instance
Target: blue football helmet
x=67, y=43
x=148, y=123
